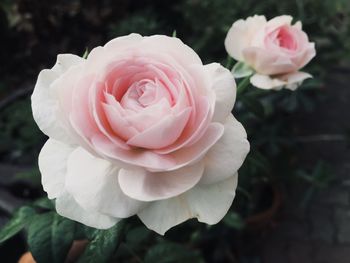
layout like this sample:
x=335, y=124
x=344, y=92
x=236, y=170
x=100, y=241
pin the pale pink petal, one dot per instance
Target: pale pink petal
x=228, y=154
x=150, y=186
x=149, y=116
x=118, y=123
x=163, y=133
x=278, y=21
x=98, y=114
x=172, y=46
x=189, y=155
x=241, y=34
x=224, y=87
x=136, y=157
x=197, y=125
x=268, y=62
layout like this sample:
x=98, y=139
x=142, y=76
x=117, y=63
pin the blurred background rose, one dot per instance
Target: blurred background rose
x=293, y=196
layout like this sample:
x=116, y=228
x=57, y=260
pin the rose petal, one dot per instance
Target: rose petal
x=147, y=186
x=241, y=34
x=53, y=166
x=188, y=155
x=136, y=157
x=266, y=82
x=207, y=203
x=163, y=133
x=268, y=62
x=45, y=106
x=227, y=155
x=289, y=81
x=66, y=206
x=93, y=182
x=224, y=87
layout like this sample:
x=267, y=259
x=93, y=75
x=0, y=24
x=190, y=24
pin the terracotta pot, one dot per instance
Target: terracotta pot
x=262, y=219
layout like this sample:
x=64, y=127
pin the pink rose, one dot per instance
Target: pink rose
x=139, y=127
x=275, y=49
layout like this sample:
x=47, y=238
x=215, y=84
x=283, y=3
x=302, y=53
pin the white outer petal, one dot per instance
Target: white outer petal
x=241, y=34
x=207, y=203
x=224, y=86
x=66, y=206
x=93, y=182
x=53, y=166
x=228, y=154
x=45, y=106
x=290, y=81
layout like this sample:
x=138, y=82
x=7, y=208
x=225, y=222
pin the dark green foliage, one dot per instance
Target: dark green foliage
x=50, y=237
x=103, y=245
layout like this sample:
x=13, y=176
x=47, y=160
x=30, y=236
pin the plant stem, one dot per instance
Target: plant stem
x=243, y=85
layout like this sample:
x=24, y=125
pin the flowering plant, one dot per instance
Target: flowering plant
x=142, y=127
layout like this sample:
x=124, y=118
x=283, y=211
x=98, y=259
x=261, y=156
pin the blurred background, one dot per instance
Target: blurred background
x=293, y=202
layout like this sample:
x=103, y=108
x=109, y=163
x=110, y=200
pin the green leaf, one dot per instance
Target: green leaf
x=17, y=223
x=233, y=220
x=50, y=237
x=104, y=244
x=241, y=70
x=171, y=253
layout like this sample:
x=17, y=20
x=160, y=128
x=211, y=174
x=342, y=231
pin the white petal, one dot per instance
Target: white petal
x=149, y=186
x=65, y=61
x=228, y=154
x=53, y=166
x=45, y=106
x=93, y=182
x=224, y=86
x=289, y=81
x=66, y=206
x=293, y=80
x=266, y=82
x=207, y=203
x=241, y=34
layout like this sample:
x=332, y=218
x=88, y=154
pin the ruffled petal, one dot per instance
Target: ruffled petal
x=53, y=166
x=147, y=186
x=66, y=206
x=45, y=105
x=228, y=154
x=290, y=81
x=93, y=182
x=241, y=34
x=207, y=203
x=224, y=86
x=163, y=133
